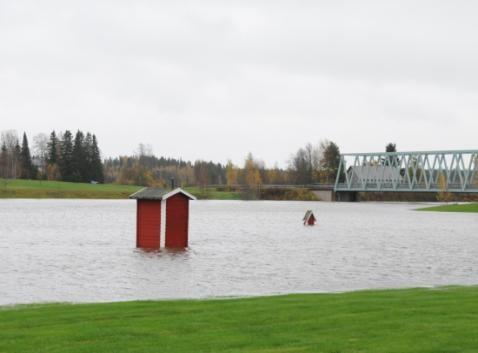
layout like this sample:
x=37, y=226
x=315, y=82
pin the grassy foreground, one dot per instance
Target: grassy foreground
x=468, y=207
x=394, y=321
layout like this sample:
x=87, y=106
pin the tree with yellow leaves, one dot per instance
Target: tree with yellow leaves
x=252, y=172
x=443, y=195
x=231, y=174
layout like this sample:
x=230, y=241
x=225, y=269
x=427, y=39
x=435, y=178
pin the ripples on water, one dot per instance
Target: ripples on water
x=83, y=251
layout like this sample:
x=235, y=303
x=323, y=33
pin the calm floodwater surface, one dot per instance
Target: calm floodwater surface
x=83, y=250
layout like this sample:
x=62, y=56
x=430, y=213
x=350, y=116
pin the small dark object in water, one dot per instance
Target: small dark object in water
x=309, y=218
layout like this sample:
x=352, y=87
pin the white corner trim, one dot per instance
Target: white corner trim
x=178, y=191
x=162, y=231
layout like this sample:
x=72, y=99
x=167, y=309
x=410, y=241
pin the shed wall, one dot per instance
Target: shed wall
x=177, y=220
x=148, y=224
x=311, y=221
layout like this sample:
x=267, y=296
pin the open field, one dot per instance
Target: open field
x=57, y=189
x=468, y=207
x=213, y=193
x=41, y=189
x=392, y=321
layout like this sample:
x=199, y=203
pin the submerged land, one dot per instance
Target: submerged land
x=393, y=321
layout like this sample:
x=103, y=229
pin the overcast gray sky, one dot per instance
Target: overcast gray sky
x=216, y=79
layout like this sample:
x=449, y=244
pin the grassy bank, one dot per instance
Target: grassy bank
x=395, y=321
x=469, y=207
x=41, y=189
x=213, y=193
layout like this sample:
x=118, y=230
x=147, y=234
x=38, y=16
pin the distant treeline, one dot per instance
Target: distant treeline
x=67, y=157
x=311, y=164
x=149, y=170
x=60, y=156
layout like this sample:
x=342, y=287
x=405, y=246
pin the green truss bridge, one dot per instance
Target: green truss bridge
x=421, y=171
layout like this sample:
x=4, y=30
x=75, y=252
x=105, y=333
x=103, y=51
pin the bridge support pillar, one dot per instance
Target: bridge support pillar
x=346, y=196
x=325, y=195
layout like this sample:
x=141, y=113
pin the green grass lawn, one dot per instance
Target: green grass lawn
x=392, y=321
x=18, y=188
x=468, y=207
x=57, y=189
x=213, y=193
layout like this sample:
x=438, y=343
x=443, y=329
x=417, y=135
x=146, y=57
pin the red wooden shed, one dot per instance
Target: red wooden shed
x=162, y=218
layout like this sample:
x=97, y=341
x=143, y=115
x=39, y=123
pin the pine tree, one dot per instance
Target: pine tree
x=4, y=161
x=53, y=149
x=52, y=168
x=66, y=157
x=88, y=151
x=27, y=169
x=78, y=158
x=391, y=147
x=97, y=165
x=17, y=155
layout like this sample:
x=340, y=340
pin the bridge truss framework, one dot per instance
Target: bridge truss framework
x=422, y=171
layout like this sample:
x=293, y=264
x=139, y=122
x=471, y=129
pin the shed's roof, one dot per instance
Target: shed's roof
x=308, y=214
x=159, y=194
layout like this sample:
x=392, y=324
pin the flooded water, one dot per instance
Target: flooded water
x=84, y=251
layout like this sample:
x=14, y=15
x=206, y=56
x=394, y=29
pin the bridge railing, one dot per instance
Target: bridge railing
x=421, y=171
